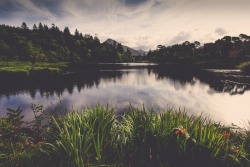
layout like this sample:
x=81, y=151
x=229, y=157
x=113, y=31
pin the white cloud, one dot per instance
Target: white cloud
x=220, y=31
x=165, y=21
x=180, y=38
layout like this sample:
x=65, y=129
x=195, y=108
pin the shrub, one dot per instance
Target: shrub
x=245, y=66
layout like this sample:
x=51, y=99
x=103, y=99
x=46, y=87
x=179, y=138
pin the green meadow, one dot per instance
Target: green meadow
x=27, y=68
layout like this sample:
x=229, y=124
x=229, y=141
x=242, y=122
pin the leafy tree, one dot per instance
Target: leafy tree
x=197, y=44
x=52, y=56
x=4, y=50
x=96, y=41
x=244, y=38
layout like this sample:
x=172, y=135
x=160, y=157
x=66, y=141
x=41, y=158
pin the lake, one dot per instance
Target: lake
x=222, y=95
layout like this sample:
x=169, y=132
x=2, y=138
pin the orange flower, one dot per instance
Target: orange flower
x=225, y=134
x=177, y=132
x=236, y=151
x=182, y=130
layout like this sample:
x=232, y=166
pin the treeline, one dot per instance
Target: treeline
x=50, y=44
x=225, y=48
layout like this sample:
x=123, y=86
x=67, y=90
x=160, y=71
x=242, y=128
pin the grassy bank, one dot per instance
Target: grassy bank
x=245, y=67
x=218, y=63
x=98, y=137
x=27, y=68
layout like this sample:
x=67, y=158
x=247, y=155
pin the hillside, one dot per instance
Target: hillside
x=50, y=44
x=134, y=52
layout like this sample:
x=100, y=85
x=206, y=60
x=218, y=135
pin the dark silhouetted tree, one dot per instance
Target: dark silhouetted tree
x=24, y=26
x=34, y=27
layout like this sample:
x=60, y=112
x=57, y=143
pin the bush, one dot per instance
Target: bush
x=245, y=67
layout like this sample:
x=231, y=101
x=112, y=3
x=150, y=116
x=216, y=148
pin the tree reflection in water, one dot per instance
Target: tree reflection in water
x=155, y=86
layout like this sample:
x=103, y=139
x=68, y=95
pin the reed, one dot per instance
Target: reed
x=140, y=137
x=87, y=137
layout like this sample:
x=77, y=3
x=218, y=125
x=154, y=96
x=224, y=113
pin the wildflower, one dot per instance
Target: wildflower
x=177, y=132
x=236, y=151
x=182, y=130
x=226, y=134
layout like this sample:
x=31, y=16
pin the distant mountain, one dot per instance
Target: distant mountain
x=134, y=52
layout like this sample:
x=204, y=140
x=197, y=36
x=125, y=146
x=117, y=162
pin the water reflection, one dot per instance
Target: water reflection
x=55, y=85
x=156, y=87
x=231, y=81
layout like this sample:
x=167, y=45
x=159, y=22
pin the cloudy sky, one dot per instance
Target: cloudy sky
x=142, y=24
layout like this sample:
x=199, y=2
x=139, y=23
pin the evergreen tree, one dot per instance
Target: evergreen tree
x=77, y=34
x=66, y=31
x=34, y=27
x=40, y=26
x=24, y=26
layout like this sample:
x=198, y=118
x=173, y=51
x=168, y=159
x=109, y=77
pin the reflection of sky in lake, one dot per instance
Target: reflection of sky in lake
x=141, y=87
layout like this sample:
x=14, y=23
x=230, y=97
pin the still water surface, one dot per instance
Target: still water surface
x=223, y=99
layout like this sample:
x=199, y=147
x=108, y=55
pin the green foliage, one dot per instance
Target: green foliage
x=27, y=68
x=145, y=138
x=86, y=137
x=36, y=124
x=98, y=137
x=216, y=54
x=15, y=117
x=19, y=145
x=245, y=67
x=44, y=44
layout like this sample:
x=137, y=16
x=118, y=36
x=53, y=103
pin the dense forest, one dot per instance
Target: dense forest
x=226, y=48
x=50, y=44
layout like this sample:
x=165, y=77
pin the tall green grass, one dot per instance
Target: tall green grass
x=145, y=138
x=140, y=137
x=87, y=137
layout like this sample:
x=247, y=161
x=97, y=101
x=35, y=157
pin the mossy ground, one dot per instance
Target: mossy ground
x=27, y=68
